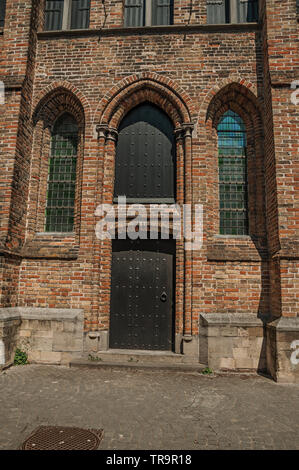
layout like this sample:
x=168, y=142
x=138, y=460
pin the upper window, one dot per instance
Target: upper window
x=148, y=12
x=2, y=12
x=145, y=156
x=232, y=175
x=62, y=176
x=66, y=14
x=232, y=11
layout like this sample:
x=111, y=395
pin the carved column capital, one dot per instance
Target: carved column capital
x=106, y=132
x=102, y=130
x=179, y=134
x=187, y=128
x=112, y=134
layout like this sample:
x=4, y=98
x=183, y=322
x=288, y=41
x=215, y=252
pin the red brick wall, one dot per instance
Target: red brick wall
x=207, y=70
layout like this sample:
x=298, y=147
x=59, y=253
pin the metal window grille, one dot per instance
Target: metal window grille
x=232, y=175
x=62, y=176
x=2, y=12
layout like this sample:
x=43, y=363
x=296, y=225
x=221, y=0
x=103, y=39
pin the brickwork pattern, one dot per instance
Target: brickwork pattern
x=194, y=75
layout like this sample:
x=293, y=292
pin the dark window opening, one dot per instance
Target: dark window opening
x=232, y=175
x=67, y=14
x=2, y=12
x=232, y=11
x=148, y=13
x=62, y=176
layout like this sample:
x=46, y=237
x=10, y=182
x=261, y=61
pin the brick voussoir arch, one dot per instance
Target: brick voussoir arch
x=136, y=89
x=231, y=92
x=66, y=97
x=239, y=98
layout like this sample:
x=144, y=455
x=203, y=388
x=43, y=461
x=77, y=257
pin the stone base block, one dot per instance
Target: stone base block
x=232, y=342
x=47, y=335
x=283, y=349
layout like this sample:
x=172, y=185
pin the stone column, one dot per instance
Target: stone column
x=187, y=337
x=180, y=270
x=97, y=336
x=106, y=246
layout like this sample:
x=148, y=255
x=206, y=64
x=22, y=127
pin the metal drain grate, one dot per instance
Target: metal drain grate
x=63, y=438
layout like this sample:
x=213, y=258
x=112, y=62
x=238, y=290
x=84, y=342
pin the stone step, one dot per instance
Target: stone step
x=124, y=358
x=145, y=365
x=125, y=355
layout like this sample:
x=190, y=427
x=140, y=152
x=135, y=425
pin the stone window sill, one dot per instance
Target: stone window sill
x=143, y=30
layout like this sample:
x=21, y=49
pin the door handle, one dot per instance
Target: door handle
x=163, y=297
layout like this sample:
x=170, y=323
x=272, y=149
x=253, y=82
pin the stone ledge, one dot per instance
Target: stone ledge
x=39, y=313
x=285, y=324
x=144, y=30
x=233, y=319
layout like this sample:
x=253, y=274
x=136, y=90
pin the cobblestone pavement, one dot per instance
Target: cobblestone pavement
x=150, y=410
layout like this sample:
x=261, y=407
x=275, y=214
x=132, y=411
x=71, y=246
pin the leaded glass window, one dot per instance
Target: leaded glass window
x=62, y=176
x=232, y=175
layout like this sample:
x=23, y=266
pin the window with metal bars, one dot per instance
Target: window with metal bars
x=232, y=175
x=232, y=11
x=66, y=14
x=62, y=176
x=148, y=12
x=2, y=12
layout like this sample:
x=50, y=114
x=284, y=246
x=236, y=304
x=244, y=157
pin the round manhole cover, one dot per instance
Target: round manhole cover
x=63, y=438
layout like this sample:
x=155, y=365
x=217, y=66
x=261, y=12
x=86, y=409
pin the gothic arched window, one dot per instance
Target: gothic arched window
x=62, y=175
x=232, y=175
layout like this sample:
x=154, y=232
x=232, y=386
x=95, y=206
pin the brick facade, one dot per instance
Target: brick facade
x=195, y=72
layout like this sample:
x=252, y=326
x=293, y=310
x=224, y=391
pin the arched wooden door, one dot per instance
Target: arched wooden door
x=145, y=156
x=142, y=274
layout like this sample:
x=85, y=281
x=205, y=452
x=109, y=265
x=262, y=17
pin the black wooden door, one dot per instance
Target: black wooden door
x=141, y=314
x=145, y=156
